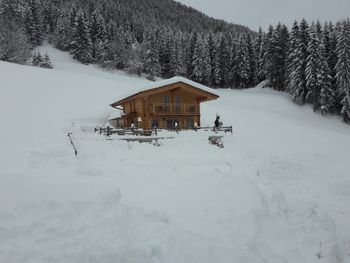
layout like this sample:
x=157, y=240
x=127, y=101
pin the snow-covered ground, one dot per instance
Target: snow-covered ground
x=278, y=192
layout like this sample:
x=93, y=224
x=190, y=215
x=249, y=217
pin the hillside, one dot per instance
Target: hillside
x=277, y=192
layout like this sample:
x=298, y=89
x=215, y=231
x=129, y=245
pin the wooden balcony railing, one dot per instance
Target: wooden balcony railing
x=172, y=108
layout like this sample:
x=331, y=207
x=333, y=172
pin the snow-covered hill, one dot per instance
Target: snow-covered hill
x=278, y=191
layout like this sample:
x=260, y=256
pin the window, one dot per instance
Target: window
x=178, y=104
x=190, y=123
x=166, y=99
x=166, y=102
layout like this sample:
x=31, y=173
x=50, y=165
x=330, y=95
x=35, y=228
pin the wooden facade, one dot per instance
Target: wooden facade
x=163, y=105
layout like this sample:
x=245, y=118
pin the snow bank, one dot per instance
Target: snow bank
x=277, y=192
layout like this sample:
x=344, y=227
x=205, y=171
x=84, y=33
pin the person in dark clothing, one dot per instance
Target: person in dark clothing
x=217, y=123
x=132, y=127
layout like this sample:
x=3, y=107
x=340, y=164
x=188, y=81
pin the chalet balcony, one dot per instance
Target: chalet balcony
x=180, y=109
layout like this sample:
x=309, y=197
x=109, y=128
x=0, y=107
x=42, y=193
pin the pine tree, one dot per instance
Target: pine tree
x=292, y=59
x=297, y=62
x=37, y=59
x=165, y=54
x=253, y=61
x=190, y=53
x=46, y=63
x=134, y=64
x=206, y=65
x=259, y=50
x=34, y=23
x=265, y=60
x=327, y=94
x=50, y=18
x=345, y=112
x=243, y=64
x=221, y=66
x=14, y=46
x=343, y=68
x=151, y=62
x=276, y=54
x=12, y=11
x=330, y=43
x=197, y=62
x=98, y=36
x=313, y=68
x=211, y=49
x=81, y=44
x=176, y=61
x=304, y=40
x=61, y=35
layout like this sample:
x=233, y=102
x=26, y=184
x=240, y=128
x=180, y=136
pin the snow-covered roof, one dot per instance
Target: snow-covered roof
x=166, y=82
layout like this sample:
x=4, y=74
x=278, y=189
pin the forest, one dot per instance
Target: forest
x=163, y=38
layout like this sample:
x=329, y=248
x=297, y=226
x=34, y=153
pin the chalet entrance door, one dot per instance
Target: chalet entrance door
x=170, y=124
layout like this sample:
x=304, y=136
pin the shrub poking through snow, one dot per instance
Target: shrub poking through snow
x=41, y=61
x=37, y=59
x=46, y=63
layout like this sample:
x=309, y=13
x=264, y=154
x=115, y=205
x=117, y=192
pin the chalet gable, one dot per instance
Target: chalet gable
x=202, y=92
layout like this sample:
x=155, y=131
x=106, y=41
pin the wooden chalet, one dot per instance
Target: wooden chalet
x=164, y=103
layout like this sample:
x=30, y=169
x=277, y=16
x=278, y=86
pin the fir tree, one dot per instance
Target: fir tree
x=343, y=68
x=243, y=64
x=37, y=59
x=197, y=62
x=345, y=112
x=46, y=63
x=313, y=68
x=151, y=62
x=190, y=53
x=253, y=61
x=327, y=94
x=206, y=65
x=259, y=51
x=81, y=44
x=211, y=50
x=165, y=55
x=14, y=46
x=34, y=23
x=343, y=64
x=276, y=54
x=176, y=61
x=304, y=40
x=297, y=67
x=292, y=59
x=98, y=36
x=265, y=60
x=221, y=65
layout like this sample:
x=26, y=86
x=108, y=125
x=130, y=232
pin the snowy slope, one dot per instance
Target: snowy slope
x=277, y=192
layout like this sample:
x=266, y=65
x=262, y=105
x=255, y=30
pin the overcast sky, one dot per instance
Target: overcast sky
x=255, y=13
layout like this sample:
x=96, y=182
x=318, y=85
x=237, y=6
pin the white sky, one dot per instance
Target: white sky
x=255, y=13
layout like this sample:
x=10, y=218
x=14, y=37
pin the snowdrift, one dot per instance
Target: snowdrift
x=277, y=192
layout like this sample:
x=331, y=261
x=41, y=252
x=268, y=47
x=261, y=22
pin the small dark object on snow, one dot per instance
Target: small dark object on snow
x=71, y=141
x=216, y=140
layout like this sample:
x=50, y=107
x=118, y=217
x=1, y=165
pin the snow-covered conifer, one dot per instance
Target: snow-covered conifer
x=297, y=62
x=46, y=62
x=34, y=23
x=151, y=58
x=345, y=111
x=176, y=60
x=327, y=94
x=81, y=44
x=243, y=64
x=37, y=59
x=313, y=67
x=343, y=68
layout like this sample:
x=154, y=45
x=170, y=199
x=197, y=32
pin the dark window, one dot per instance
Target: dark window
x=178, y=104
x=190, y=123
